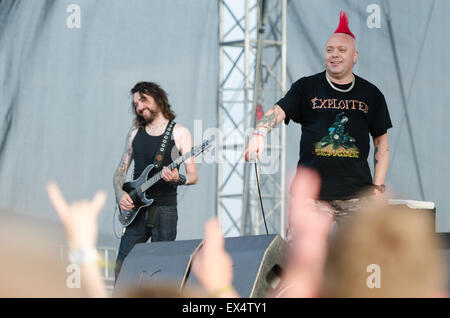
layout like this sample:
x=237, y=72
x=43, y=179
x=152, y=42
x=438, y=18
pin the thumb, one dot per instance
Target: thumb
x=99, y=201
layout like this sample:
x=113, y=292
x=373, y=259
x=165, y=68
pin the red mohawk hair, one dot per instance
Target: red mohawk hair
x=343, y=25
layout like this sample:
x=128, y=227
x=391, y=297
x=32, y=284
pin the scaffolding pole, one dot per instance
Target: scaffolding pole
x=252, y=77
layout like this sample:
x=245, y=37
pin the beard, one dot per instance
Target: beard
x=147, y=119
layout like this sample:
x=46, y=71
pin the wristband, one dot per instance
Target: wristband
x=181, y=180
x=225, y=289
x=380, y=187
x=259, y=132
x=80, y=256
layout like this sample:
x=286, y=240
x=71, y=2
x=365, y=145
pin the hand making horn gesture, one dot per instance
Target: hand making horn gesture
x=79, y=218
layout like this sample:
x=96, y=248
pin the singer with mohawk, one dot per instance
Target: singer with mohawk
x=337, y=110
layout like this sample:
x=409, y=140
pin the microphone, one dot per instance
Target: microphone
x=253, y=157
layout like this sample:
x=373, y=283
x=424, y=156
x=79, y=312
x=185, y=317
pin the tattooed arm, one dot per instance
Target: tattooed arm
x=381, y=158
x=270, y=120
x=120, y=174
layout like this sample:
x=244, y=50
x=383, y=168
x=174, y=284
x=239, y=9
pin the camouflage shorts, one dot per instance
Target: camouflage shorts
x=341, y=210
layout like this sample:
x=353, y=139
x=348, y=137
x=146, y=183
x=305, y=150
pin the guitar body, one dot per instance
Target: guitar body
x=136, y=188
x=133, y=188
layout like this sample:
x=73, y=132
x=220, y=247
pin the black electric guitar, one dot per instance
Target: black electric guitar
x=136, y=188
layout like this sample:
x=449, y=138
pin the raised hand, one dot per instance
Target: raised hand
x=78, y=218
x=310, y=228
x=212, y=265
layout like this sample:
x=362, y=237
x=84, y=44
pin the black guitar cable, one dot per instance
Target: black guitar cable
x=114, y=224
x=259, y=191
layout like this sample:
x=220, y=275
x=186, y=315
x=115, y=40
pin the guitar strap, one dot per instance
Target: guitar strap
x=162, y=149
x=158, y=161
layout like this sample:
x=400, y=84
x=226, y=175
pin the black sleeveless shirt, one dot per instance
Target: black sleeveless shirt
x=144, y=151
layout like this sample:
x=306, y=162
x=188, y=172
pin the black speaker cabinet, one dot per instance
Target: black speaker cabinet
x=157, y=262
x=257, y=263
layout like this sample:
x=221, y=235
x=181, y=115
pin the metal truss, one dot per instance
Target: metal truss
x=252, y=77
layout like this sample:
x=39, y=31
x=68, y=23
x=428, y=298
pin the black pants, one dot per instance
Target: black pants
x=157, y=222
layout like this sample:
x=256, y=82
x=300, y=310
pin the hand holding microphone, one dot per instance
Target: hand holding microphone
x=253, y=157
x=254, y=148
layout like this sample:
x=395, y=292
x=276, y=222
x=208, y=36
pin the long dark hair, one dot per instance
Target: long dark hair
x=160, y=97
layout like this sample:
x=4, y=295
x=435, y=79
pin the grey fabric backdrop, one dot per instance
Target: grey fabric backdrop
x=65, y=103
x=421, y=34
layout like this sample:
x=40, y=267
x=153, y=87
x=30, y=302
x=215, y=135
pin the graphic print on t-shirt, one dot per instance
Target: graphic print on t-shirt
x=337, y=143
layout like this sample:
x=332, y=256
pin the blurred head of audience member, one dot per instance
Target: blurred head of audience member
x=31, y=262
x=385, y=251
x=165, y=289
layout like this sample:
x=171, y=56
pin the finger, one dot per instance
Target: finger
x=124, y=203
x=169, y=175
x=213, y=235
x=99, y=201
x=57, y=199
x=304, y=190
x=197, y=263
x=306, y=184
x=125, y=207
x=129, y=200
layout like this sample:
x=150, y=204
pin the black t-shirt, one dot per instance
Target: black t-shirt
x=335, y=131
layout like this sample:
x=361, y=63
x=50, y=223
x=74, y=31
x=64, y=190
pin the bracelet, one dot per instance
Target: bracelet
x=380, y=187
x=225, y=289
x=259, y=132
x=181, y=180
x=80, y=256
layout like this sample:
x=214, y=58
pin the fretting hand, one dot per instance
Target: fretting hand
x=170, y=176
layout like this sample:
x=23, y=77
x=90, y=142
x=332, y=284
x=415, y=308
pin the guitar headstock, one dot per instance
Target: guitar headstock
x=206, y=144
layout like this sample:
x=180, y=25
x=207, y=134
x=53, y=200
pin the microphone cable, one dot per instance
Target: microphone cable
x=260, y=197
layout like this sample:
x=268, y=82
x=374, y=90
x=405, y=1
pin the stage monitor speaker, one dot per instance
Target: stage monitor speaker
x=415, y=206
x=157, y=262
x=257, y=264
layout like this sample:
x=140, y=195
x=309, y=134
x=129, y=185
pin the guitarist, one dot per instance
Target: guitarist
x=159, y=220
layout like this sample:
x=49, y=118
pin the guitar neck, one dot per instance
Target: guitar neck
x=150, y=182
